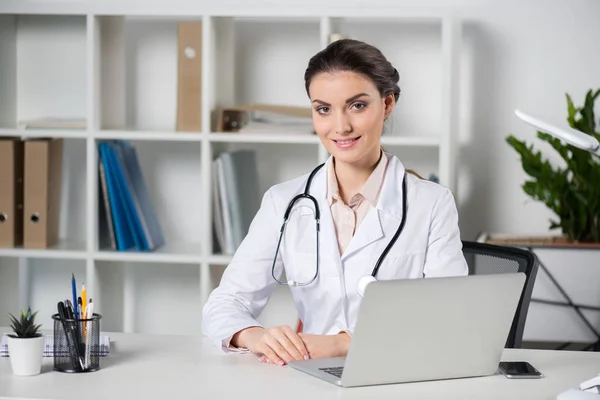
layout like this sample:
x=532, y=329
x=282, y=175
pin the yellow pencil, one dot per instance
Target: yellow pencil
x=83, y=307
x=83, y=300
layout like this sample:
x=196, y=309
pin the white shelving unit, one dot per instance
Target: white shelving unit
x=115, y=65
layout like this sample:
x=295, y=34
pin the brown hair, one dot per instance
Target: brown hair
x=355, y=56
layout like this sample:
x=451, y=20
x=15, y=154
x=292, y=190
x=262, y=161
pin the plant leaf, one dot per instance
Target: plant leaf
x=572, y=192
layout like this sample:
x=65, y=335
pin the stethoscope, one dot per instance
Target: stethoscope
x=363, y=281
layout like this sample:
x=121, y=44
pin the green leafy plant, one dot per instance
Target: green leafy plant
x=25, y=327
x=572, y=192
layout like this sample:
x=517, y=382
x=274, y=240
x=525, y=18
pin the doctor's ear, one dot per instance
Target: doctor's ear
x=389, y=103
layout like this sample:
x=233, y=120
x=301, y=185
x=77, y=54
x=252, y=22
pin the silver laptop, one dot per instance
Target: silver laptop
x=426, y=329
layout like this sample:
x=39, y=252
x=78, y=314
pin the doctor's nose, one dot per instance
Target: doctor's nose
x=342, y=126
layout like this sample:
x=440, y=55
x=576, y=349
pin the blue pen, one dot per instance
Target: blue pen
x=73, y=287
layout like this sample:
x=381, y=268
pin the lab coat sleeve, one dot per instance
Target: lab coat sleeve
x=444, y=255
x=246, y=284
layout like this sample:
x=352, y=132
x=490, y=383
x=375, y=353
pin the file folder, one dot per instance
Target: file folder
x=236, y=198
x=11, y=193
x=127, y=200
x=106, y=228
x=189, y=77
x=149, y=225
x=123, y=235
x=42, y=191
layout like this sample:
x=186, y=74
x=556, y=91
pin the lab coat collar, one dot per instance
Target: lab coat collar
x=390, y=197
x=377, y=223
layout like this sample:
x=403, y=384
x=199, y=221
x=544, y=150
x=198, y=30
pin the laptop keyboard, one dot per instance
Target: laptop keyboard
x=335, y=371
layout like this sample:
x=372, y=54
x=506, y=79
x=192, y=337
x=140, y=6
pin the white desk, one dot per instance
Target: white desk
x=175, y=367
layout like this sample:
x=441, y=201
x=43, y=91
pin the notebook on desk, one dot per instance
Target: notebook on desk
x=49, y=346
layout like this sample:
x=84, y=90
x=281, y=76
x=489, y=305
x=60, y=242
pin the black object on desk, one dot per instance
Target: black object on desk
x=76, y=341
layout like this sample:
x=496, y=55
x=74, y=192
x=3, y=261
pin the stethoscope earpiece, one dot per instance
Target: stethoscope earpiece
x=363, y=282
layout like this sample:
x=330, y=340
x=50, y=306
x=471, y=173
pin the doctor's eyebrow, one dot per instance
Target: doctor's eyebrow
x=350, y=100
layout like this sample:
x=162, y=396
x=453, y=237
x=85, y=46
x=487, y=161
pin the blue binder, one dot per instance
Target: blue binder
x=149, y=224
x=125, y=195
x=122, y=232
x=138, y=224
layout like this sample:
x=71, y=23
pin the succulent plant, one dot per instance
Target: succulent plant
x=25, y=327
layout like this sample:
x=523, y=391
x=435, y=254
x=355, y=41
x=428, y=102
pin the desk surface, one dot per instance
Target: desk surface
x=176, y=367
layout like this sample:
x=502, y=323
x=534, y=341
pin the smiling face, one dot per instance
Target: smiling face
x=348, y=115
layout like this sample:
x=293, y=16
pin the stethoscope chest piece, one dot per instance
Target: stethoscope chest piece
x=363, y=282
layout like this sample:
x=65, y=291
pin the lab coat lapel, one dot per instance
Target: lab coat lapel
x=368, y=232
x=383, y=220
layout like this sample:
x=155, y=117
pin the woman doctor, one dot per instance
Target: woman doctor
x=360, y=193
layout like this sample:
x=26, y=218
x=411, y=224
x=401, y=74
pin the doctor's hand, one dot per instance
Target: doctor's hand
x=324, y=346
x=278, y=345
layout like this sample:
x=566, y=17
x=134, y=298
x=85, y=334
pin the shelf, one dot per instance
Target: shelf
x=65, y=249
x=171, y=253
x=410, y=141
x=44, y=133
x=215, y=137
x=302, y=138
x=115, y=65
x=220, y=259
x=150, y=136
x=314, y=139
x=44, y=7
x=224, y=8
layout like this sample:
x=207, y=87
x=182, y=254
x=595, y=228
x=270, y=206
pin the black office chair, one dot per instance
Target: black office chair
x=484, y=258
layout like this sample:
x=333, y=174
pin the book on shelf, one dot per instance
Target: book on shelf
x=127, y=219
x=266, y=118
x=53, y=123
x=236, y=197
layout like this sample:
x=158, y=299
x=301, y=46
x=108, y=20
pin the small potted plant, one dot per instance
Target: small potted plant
x=25, y=345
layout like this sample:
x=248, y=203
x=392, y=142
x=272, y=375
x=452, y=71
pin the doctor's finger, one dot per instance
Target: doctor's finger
x=286, y=342
x=278, y=348
x=297, y=341
x=269, y=354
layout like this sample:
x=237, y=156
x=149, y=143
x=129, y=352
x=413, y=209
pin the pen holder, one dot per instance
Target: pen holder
x=76, y=344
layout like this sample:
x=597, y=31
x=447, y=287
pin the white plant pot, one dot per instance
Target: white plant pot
x=26, y=355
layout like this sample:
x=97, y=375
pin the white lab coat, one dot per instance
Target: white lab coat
x=429, y=246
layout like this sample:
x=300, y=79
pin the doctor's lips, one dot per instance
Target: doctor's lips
x=346, y=143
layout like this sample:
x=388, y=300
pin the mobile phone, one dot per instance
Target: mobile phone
x=518, y=369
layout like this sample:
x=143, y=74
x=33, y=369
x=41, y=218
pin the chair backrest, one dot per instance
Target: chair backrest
x=484, y=258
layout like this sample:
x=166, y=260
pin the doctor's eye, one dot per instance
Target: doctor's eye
x=323, y=110
x=358, y=106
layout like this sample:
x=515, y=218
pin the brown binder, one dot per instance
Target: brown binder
x=189, y=77
x=11, y=192
x=42, y=189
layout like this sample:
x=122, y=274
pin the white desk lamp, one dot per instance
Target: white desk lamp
x=589, y=389
x=572, y=136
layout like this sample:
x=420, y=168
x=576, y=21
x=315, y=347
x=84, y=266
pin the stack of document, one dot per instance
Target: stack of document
x=236, y=197
x=104, y=349
x=53, y=123
x=272, y=122
x=127, y=218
